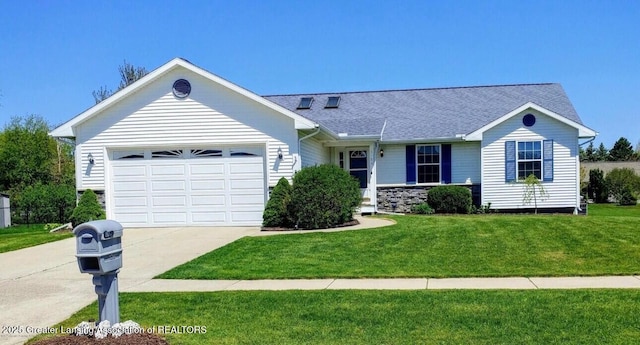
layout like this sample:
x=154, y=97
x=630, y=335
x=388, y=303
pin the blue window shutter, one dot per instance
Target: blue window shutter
x=446, y=163
x=411, y=163
x=547, y=160
x=510, y=161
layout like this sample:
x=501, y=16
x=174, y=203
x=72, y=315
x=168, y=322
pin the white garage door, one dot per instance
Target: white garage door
x=187, y=187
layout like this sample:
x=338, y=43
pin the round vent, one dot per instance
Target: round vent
x=181, y=88
x=529, y=120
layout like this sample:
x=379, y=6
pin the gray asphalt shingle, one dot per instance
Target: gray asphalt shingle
x=426, y=113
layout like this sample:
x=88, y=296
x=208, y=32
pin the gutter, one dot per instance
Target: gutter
x=305, y=138
x=457, y=138
x=588, y=141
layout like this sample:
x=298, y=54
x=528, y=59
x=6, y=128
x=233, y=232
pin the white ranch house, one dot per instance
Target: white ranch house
x=182, y=146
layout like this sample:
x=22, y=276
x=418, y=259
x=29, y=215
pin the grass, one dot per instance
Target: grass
x=611, y=210
x=24, y=236
x=388, y=317
x=605, y=243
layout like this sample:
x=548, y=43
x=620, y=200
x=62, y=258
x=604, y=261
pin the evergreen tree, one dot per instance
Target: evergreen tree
x=589, y=154
x=622, y=151
x=601, y=153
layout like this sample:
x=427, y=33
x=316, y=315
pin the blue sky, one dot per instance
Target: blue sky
x=53, y=54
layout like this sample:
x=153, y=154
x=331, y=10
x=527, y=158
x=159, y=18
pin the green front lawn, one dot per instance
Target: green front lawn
x=23, y=236
x=387, y=317
x=605, y=243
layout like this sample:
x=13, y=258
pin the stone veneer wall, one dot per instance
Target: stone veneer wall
x=406, y=196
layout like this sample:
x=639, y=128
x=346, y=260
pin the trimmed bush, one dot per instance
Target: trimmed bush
x=88, y=209
x=450, y=199
x=277, y=213
x=423, y=208
x=324, y=196
x=623, y=183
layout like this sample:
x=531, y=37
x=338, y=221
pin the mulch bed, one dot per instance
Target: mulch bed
x=350, y=223
x=131, y=339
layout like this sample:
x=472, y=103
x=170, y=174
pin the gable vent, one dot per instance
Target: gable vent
x=181, y=88
x=332, y=102
x=305, y=103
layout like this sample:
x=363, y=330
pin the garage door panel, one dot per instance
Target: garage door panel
x=132, y=186
x=238, y=184
x=212, y=185
x=249, y=199
x=130, y=201
x=205, y=217
x=175, y=201
x=208, y=200
x=168, y=185
x=247, y=217
x=129, y=171
x=169, y=217
x=207, y=169
x=133, y=218
x=167, y=170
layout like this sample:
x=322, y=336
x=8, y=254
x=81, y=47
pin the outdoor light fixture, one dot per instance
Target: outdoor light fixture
x=91, y=160
x=381, y=153
x=279, y=153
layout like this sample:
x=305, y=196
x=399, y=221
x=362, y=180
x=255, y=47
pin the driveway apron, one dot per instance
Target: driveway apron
x=41, y=286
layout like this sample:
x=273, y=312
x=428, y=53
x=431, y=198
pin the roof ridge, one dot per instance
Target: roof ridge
x=411, y=89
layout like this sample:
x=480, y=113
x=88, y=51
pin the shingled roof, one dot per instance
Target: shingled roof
x=426, y=114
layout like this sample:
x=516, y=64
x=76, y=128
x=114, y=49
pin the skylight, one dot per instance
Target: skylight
x=333, y=102
x=305, y=103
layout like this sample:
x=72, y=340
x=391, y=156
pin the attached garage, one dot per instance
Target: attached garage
x=194, y=187
x=184, y=147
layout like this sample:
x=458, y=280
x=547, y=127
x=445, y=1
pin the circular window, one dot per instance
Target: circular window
x=529, y=120
x=181, y=88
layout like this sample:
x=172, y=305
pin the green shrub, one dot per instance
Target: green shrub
x=422, y=208
x=598, y=190
x=324, y=196
x=39, y=203
x=627, y=198
x=623, y=181
x=450, y=199
x=88, y=209
x=277, y=212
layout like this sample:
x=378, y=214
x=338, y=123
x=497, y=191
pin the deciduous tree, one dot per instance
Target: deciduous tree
x=129, y=74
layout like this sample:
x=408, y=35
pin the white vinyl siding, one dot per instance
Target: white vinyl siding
x=212, y=114
x=391, y=168
x=313, y=153
x=562, y=190
x=465, y=164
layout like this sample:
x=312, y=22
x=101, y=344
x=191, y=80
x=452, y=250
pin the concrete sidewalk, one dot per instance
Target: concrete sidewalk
x=516, y=283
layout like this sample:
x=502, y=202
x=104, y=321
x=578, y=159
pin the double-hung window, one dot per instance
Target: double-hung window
x=428, y=163
x=529, y=159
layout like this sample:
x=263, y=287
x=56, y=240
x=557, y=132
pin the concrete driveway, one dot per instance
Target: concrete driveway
x=41, y=286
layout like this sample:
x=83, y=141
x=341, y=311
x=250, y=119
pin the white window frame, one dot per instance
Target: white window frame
x=527, y=160
x=439, y=164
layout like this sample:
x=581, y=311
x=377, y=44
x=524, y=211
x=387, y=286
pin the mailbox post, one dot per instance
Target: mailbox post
x=99, y=252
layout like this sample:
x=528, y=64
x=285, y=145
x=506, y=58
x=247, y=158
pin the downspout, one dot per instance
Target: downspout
x=300, y=143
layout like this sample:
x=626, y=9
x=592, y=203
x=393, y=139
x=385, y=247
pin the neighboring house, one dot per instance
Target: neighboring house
x=182, y=146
